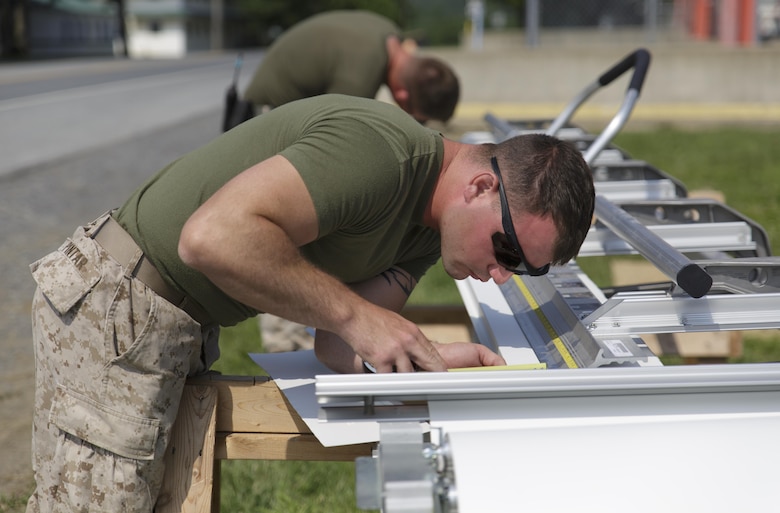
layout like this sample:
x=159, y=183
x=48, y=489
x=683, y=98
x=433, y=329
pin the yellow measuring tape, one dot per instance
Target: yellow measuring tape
x=518, y=366
x=559, y=345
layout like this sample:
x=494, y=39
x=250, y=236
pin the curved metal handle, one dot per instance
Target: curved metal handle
x=639, y=60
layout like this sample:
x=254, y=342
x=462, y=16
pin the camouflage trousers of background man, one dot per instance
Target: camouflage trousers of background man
x=280, y=335
x=111, y=359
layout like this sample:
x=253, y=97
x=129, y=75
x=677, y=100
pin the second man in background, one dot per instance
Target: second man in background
x=352, y=53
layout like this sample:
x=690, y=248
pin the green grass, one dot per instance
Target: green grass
x=287, y=486
x=436, y=288
x=16, y=503
x=235, y=344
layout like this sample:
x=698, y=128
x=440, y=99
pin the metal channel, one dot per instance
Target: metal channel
x=629, y=314
x=634, y=170
x=696, y=211
x=622, y=190
x=336, y=389
x=503, y=129
x=745, y=275
x=482, y=330
x=688, y=238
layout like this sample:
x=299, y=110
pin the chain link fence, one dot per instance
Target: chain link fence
x=605, y=14
x=645, y=19
x=735, y=22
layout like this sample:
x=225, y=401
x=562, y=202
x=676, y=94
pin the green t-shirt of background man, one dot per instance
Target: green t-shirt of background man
x=370, y=170
x=340, y=52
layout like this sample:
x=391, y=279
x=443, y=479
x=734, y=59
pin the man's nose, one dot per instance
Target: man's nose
x=500, y=275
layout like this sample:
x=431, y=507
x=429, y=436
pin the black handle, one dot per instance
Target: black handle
x=639, y=60
x=694, y=280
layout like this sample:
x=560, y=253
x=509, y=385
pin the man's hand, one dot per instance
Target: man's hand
x=466, y=354
x=377, y=334
x=382, y=350
x=387, y=341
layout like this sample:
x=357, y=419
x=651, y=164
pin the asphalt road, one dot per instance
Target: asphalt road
x=77, y=138
x=51, y=109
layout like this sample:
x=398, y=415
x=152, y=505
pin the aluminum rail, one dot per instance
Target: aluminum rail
x=745, y=275
x=687, y=274
x=694, y=212
x=629, y=314
x=336, y=390
x=609, y=133
x=505, y=128
x=698, y=238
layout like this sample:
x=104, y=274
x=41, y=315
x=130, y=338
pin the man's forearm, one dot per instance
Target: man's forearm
x=272, y=276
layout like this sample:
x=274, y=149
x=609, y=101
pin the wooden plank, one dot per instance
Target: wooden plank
x=277, y=446
x=705, y=347
x=252, y=404
x=189, y=458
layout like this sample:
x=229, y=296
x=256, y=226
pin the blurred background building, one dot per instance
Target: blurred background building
x=173, y=28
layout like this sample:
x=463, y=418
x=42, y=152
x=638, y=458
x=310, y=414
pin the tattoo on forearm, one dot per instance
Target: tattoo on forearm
x=403, y=279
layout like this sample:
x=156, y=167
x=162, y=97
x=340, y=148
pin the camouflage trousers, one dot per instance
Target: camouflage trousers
x=111, y=359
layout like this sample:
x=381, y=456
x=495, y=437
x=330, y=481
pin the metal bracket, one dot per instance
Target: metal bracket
x=406, y=473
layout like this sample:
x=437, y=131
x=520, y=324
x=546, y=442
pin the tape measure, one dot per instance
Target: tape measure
x=519, y=366
x=555, y=338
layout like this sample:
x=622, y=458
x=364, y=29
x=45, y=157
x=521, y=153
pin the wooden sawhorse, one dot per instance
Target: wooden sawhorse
x=234, y=418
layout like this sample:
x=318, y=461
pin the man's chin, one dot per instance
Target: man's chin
x=455, y=274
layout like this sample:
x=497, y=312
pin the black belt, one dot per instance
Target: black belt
x=121, y=246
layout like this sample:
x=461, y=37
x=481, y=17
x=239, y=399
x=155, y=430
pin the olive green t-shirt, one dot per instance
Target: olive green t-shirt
x=370, y=170
x=340, y=52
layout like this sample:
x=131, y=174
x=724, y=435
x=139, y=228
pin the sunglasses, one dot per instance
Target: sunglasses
x=505, y=245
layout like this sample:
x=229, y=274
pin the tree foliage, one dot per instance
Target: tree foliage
x=262, y=20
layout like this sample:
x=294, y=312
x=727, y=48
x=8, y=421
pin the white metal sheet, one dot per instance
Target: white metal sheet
x=686, y=465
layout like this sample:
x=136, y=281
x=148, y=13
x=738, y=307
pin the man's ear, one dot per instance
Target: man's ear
x=485, y=181
x=409, y=45
x=401, y=96
x=480, y=184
